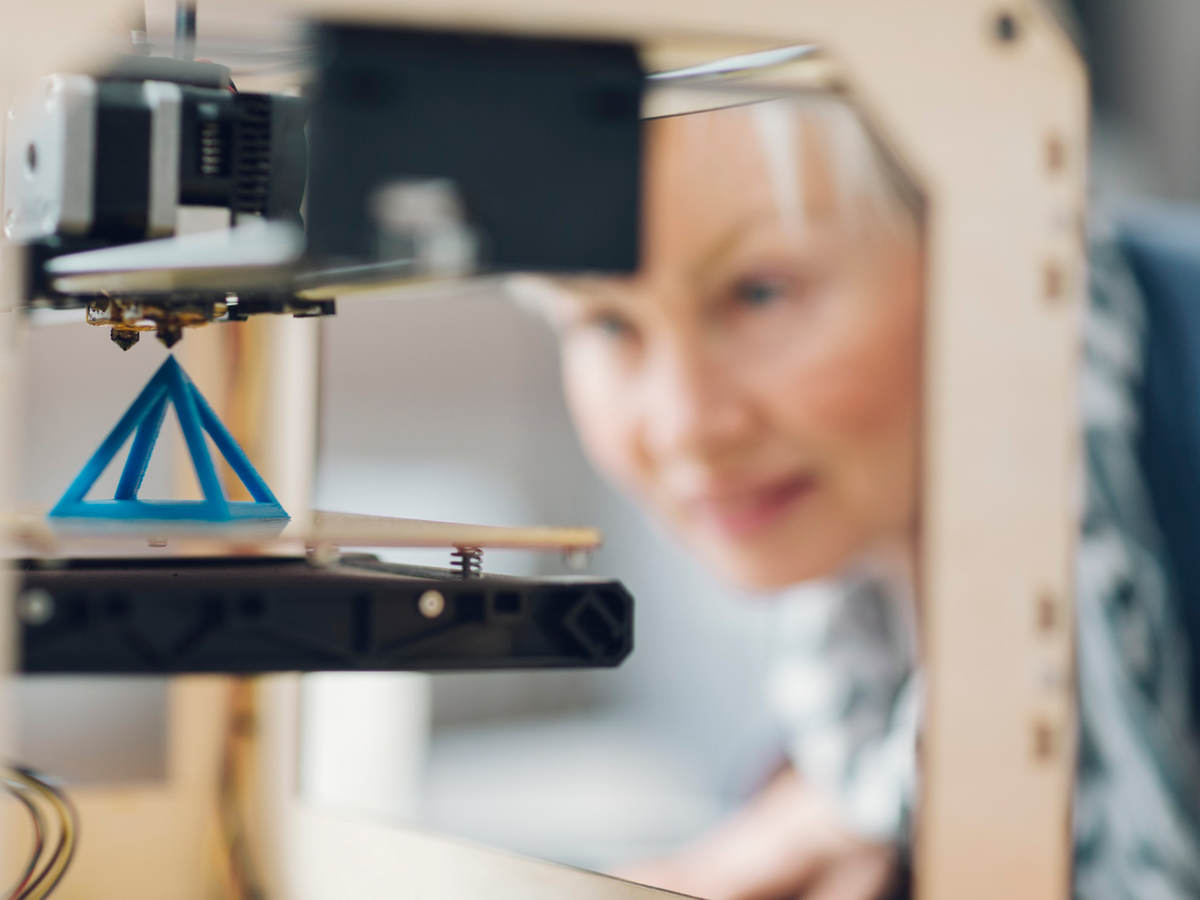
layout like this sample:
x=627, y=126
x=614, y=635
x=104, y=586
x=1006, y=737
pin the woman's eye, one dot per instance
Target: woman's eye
x=611, y=325
x=761, y=291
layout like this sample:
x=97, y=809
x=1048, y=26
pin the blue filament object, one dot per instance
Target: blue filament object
x=169, y=384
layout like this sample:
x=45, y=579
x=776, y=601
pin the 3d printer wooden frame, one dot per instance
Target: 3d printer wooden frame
x=985, y=104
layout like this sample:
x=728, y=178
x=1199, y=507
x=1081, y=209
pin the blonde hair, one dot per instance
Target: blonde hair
x=869, y=185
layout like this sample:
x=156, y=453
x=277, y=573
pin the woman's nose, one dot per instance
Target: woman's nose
x=691, y=406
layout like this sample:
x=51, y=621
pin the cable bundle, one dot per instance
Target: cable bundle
x=46, y=805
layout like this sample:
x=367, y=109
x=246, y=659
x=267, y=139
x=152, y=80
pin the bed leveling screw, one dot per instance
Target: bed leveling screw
x=468, y=561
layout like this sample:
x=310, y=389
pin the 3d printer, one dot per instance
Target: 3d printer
x=96, y=169
x=399, y=186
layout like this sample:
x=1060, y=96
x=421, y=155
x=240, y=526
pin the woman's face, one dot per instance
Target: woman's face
x=757, y=382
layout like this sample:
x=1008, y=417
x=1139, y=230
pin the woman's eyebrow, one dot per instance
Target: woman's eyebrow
x=723, y=247
x=595, y=289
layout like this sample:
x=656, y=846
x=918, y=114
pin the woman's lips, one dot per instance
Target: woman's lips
x=741, y=512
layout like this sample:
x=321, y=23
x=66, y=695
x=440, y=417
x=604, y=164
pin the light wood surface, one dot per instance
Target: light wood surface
x=315, y=854
x=994, y=131
x=32, y=534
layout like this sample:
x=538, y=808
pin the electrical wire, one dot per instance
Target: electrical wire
x=45, y=882
x=18, y=792
x=35, y=788
x=70, y=822
x=185, y=29
x=235, y=774
x=36, y=887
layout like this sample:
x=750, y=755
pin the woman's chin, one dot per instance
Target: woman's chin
x=763, y=567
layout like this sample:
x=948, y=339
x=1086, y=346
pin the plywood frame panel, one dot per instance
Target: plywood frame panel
x=994, y=129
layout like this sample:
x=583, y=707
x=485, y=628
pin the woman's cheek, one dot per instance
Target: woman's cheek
x=854, y=374
x=604, y=418
x=819, y=383
x=861, y=406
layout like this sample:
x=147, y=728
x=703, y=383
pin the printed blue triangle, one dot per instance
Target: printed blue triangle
x=169, y=385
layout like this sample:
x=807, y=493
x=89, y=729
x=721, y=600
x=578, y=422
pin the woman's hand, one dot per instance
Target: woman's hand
x=787, y=842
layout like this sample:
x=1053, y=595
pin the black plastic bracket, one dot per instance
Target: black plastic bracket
x=270, y=615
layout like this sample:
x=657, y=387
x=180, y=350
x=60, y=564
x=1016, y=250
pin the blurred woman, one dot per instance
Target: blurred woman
x=757, y=386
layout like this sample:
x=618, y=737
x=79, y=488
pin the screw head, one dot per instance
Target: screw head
x=35, y=606
x=432, y=604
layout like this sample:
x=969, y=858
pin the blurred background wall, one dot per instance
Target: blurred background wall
x=1146, y=92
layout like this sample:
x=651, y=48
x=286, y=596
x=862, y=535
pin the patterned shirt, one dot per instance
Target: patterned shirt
x=846, y=690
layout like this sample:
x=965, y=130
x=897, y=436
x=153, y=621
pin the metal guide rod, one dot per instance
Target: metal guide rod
x=185, y=29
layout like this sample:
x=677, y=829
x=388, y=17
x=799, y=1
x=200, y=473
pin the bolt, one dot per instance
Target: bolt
x=1006, y=28
x=35, y=607
x=322, y=555
x=576, y=558
x=1056, y=153
x=1045, y=743
x=1054, y=281
x=431, y=604
x=1047, y=612
x=157, y=542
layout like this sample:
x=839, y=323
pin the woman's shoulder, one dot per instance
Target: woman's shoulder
x=1137, y=825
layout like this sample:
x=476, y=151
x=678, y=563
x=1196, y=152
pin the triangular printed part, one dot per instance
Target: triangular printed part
x=169, y=385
